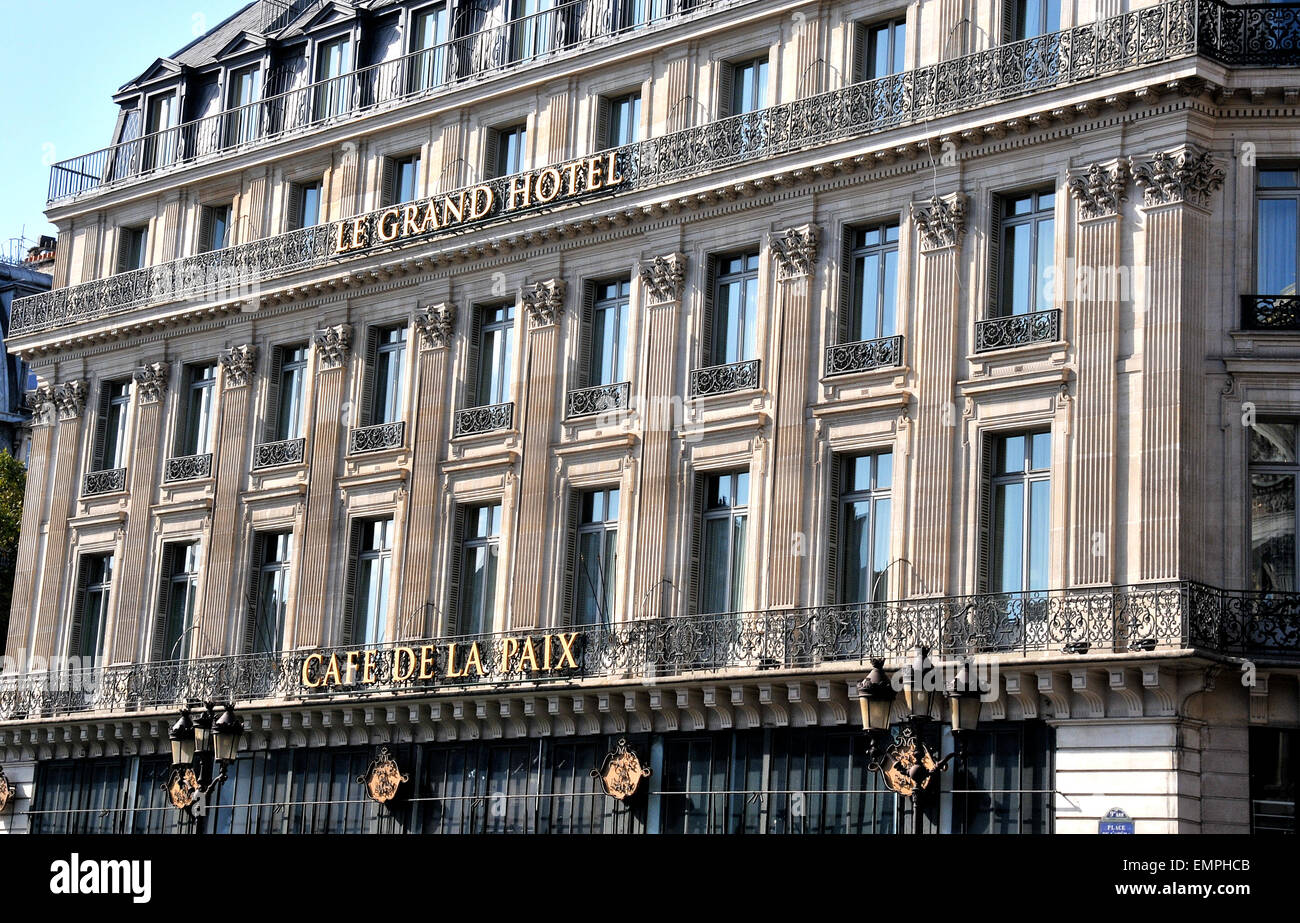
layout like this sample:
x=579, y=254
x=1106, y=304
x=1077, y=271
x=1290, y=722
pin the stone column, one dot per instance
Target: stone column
x=940, y=224
x=795, y=253
x=1098, y=194
x=651, y=596
x=27, y=568
x=534, y=544
x=69, y=401
x=312, y=606
x=132, y=590
x=435, y=325
x=223, y=596
x=1179, y=532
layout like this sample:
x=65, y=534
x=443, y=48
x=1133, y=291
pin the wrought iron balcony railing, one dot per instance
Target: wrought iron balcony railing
x=374, y=438
x=864, y=355
x=187, y=468
x=586, y=402
x=498, y=48
x=1017, y=330
x=1270, y=312
x=277, y=454
x=108, y=481
x=487, y=419
x=1126, y=619
x=1141, y=38
x=723, y=379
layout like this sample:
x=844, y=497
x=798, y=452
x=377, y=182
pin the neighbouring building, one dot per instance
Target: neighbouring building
x=461, y=389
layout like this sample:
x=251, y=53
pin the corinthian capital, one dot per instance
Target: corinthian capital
x=796, y=252
x=435, y=324
x=151, y=382
x=1183, y=176
x=333, y=345
x=1101, y=189
x=940, y=221
x=70, y=399
x=664, y=277
x=239, y=363
x=41, y=404
x=544, y=302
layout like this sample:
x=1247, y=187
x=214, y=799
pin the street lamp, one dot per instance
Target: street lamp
x=193, y=739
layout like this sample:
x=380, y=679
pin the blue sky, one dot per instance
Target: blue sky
x=61, y=61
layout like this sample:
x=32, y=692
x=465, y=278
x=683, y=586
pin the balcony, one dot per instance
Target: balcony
x=278, y=454
x=110, y=481
x=187, y=468
x=724, y=379
x=587, y=402
x=1270, y=312
x=1017, y=330
x=864, y=355
x=473, y=421
x=375, y=438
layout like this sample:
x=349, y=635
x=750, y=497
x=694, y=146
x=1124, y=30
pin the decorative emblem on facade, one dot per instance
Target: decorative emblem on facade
x=664, y=277
x=940, y=221
x=1185, y=175
x=908, y=765
x=621, y=772
x=383, y=777
x=436, y=324
x=796, y=252
x=239, y=362
x=151, y=382
x=70, y=399
x=333, y=345
x=1101, y=190
x=182, y=787
x=544, y=302
x=6, y=791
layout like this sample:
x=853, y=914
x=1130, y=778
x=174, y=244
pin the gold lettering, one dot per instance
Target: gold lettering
x=352, y=666
x=332, y=672
x=389, y=225
x=612, y=176
x=529, y=654
x=400, y=675
x=427, y=663
x=451, y=661
x=546, y=654
x=457, y=208
x=509, y=647
x=552, y=174
x=481, y=202
x=519, y=190
x=410, y=227
x=474, y=660
x=306, y=671
x=593, y=173
x=340, y=244
x=358, y=233
x=572, y=170
x=368, y=671
x=567, y=638
x=430, y=222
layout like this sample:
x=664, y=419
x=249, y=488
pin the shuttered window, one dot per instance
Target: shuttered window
x=304, y=205
x=592, y=556
x=370, y=572
x=286, y=393
x=268, y=590
x=879, y=49
x=89, y=617
x=473, y=582
x=194, y=437
x=860, y=528
x=490, y=369
x=504, y=150
x=1023, y=19
x=401, y=180
x=730, y=332
x=869, y=283
x=178, y=581
x=110, y=445
x=1019, y=512
x=618, y=121
x=132, y=248
x=214, y=228
x=720, y=523
x=383, y=397
x=742, y=87
x=603, y=335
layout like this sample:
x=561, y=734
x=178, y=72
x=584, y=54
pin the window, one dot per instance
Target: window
x=177, y=601
x=428, y=36
x=1274, y=468
x=305, y=204
x=214, y=228
x=1022, y=273
x=730, y=331
x=859, y=538
x=401, y=180
x=333, y=93
x=285, y=392
x=1029, y=18
x=90, y=607
x=198, y=405
x=1274, y=779
x=491, y=356
x=744, y=87
x=880, y=48
x=604, y=333
x=132, y=248
x=619, y=121
x=385, y=391
x=366, y=599
x=474, y=572
x=593, y=555
x=1277, y=231
x=110, y=444
x=718, y=562
x=871, y=302
x=243, y=122
x=637, y=12
x=505, y=151
x=533, y=29
x=1021, y=488
x=269, y=585
x=160, y=143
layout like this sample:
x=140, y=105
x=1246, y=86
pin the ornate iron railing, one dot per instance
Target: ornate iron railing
x=585, y=402
x=864, y=355
x=373, y=438
x=1132, y=40
x=1255, y=34
x=276, y=454
x=1017, y=330
x=1270, y=312
x=187, y=468
x=1136, y=619
x=723, y=379
x=109, y=481
x=487, y=419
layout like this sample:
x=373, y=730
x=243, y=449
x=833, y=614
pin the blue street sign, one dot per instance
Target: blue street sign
x=1115, y=821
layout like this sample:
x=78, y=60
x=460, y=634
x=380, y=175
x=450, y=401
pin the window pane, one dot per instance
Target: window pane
x=1038, y=538
x=1273, y=532
x=1277, y=235
x=1273, y=442
x=713, y=566
x=1020, y=268
x=1009, y=510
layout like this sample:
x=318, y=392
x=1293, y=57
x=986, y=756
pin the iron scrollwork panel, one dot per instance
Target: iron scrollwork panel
x=475, y=420
x=864, y=355
x=188, y=468
x=103, y=482
x=723, y=379
x=586, y=402
x=377, y=437
x=1017, y=330
x=1270, y=312
x=277, y=454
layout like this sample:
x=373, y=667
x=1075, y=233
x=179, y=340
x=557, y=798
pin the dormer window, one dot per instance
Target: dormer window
x=160, y=149
x=244, y=123
x=333, y=61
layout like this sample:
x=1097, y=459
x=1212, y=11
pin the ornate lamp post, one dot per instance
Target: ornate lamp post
x=193, y=739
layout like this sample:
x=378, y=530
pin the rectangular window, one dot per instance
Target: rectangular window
x=160, y=142
x=428, y=38
x=1026, y=230
x=594, y=555
x=243, y=123
x=534, y=28
x=90, y=608
x=722, y=515
x=504, y=155
x=198, y=404
x=492, y=355
x=177, y=601
x=214, y=228
x=132, y=248
x=110, y=445
x=606, y=331
x=1274, y=468
x=1030, y=18
x=730, y=332
x=638, y=12
x=619, y=121
x=744, y=87
x=268, y=607
x=880, y=49
x=401, y=180
x=386, y=375
x=1277, y=230
x=334, y=90
x=305, y=204
x=1274, y=779
x=872, y=258
x=287, y=392
x=475, y=578
x=863, y=529
x=1021, y=488
x=365, y=623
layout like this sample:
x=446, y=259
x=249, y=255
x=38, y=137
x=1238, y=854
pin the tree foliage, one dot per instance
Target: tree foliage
x=13, y=481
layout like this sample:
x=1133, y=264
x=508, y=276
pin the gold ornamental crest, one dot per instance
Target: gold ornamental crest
x=383, y=778
x=909, y=766
x=621, y=772
x=6, y=791
x=181, y=788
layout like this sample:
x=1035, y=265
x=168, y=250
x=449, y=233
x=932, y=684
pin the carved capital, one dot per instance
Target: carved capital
x=664, y=278
x=544, y=302
x=41, y=404
x=1101, y=189
x=941, y=221
x=1184, y=176
x=70, y=399
x=239, y=363
x=151, y=382
x=333, y=345
x=436, y=324
x=796, y=252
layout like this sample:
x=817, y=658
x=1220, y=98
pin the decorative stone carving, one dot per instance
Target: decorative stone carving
x=1185, y=175
x=69, y=399
x=333, y=345
x=1101, y=190
x=239, y=363
x=940, y=221
x=41, y=403
x=436, y=324
x=544, y=302
x=796, y=252
x=664, y=277
x=151, y=382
